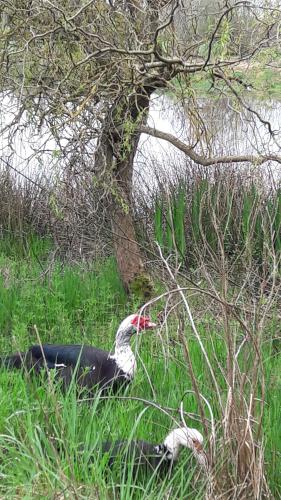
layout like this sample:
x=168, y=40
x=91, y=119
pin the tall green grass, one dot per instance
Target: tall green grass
x=42, y=431
x=60, y=302
x=169, y=223
x=198, y=216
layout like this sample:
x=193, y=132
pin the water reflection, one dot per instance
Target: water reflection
x=217, y=127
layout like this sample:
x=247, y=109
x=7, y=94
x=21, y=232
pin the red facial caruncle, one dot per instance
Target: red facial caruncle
x=143, y=322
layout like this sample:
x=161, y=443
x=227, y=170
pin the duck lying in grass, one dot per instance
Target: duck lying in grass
x=92, y=367
x=147, y=458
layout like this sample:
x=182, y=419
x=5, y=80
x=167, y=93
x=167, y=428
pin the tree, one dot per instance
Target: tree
x=87, y=73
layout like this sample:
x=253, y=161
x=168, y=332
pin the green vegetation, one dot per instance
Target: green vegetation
x=265, y=83
x=262, y=75
x=232, y=212
x=169, y=222
x=86, y=304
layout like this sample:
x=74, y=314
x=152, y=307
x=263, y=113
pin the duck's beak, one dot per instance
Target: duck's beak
x=197, y=445
x=149, y=325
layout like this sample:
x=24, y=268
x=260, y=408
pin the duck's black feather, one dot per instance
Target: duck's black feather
x=144, y=456
x=70, y=355
x=92, y=366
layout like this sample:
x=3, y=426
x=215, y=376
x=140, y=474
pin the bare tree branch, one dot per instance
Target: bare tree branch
x=201, y=160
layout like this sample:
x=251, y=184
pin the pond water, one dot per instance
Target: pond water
x=216, y=127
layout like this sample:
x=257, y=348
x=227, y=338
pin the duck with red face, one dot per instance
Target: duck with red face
x=93, y=367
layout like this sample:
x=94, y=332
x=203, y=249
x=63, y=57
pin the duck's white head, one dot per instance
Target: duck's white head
x=123, y=354
x=184, y=436
x=132, y=324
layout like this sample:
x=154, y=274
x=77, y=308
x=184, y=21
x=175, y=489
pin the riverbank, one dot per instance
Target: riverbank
x=263, y=82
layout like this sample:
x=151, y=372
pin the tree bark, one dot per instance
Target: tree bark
x=117, y=148
x=127, y=250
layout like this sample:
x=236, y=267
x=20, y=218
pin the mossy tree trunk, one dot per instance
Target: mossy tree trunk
x=117, y=148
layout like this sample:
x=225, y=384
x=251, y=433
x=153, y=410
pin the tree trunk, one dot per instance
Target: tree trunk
x=127, y=250
x=118, y=149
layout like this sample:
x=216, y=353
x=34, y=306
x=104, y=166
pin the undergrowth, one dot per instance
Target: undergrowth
x=49, y=443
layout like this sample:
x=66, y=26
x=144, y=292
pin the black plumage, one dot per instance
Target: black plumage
x=103, y=374
x=144, y=457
